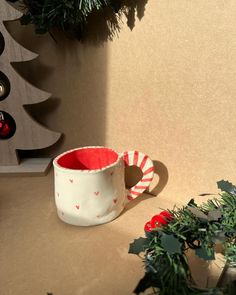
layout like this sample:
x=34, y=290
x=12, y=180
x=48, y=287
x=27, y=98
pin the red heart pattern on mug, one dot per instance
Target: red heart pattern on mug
x=96, y=193
x=77, y=206
x=71, y=180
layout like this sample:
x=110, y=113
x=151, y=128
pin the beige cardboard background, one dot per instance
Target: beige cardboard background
x=166, y=88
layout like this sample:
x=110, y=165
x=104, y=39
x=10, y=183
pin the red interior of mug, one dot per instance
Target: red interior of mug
x=88, y=158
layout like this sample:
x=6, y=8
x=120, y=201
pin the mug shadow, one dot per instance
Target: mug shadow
x=160, y=179
x=133, y=175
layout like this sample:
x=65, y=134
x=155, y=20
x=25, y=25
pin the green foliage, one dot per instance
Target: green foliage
x=205, y=253
x=138, y=246
x=171, y=244
x=196, y=227
x=230, y=253
x=67, y=15
x=226, y=186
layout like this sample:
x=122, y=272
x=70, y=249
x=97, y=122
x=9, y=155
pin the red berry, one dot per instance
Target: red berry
x=167, y=215
x=148, y=227
x=158, y=221
x=161, y=219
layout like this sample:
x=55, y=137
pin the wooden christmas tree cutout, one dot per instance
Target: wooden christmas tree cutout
x=18, y=130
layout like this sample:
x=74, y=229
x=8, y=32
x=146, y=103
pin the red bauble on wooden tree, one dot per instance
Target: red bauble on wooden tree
x=7, y=126
x=18, y=130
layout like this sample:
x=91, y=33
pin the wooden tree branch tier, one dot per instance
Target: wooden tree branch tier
x=18, y=130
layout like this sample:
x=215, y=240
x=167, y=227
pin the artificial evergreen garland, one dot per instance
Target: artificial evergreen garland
x=172, y=232
x=67, y=15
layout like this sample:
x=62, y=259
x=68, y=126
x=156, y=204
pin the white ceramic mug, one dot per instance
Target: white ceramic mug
x=90, y=186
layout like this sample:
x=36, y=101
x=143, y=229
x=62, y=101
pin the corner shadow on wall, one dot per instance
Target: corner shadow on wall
x=91, y=101
x=132, y=176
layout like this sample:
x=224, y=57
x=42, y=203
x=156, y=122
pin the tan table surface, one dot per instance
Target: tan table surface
x=40, y=254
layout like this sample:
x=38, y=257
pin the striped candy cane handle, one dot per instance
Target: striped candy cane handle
x=135, y=158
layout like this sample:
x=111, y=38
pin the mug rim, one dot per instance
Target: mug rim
x=61, y=168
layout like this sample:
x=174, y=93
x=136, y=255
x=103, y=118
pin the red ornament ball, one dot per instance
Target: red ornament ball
x=7, y=125
x=4, y=129
x=158, y=221
x=167, y=215
x=161, y=219
x=148, y=227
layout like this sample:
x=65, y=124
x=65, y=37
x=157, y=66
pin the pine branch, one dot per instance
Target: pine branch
x=67, y=15
x=199, y=228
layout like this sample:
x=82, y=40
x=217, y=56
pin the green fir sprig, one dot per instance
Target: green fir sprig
x=71, y=15
x=199, y=228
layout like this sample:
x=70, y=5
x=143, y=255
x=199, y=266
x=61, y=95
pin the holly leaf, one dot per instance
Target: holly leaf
x=171, y=244
x=206, y=254
x=214, y=215
x=226, y=186
x=138, y=245
x=198, y=213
